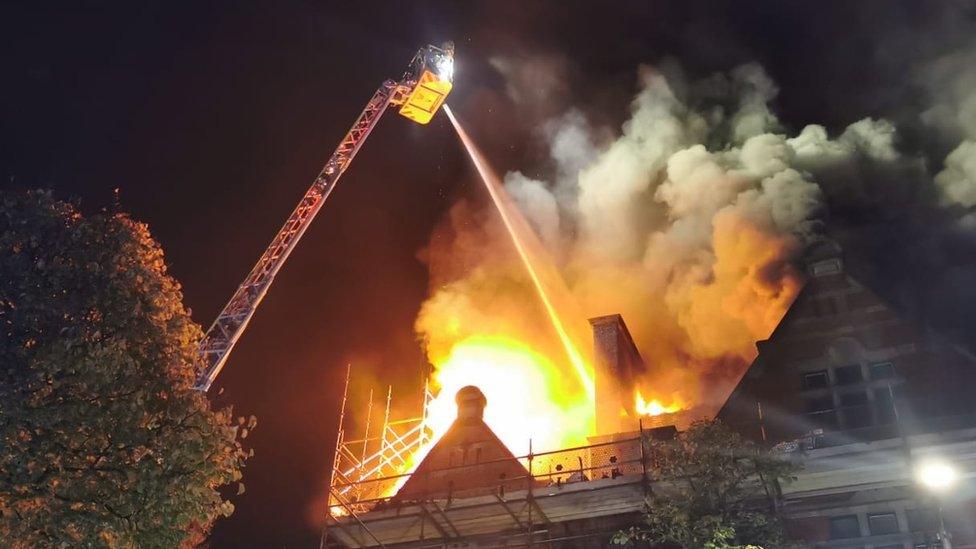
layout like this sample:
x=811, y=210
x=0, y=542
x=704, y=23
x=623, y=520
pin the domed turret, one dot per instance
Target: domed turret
x=471, y=403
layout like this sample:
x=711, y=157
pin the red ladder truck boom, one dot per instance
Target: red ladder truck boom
x=419, y=93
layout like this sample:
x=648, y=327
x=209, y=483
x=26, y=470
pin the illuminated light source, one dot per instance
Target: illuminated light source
x=936, y=475
x=445, y=68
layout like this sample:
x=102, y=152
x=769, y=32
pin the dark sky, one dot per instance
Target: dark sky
x=212, y=118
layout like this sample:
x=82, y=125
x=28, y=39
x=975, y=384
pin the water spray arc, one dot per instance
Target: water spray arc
x=511, y=219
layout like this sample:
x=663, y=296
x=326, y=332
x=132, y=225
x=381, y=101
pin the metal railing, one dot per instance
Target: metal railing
x=562, y=467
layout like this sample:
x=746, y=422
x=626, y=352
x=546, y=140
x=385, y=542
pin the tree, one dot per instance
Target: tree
x=103, y=440
x=711, y=488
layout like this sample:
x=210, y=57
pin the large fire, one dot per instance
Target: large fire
x=692, y=244
x=529, y=251
x=536, y=392
x=532, y=406
x=655, y=407
x=528, y=394
x=695, y=312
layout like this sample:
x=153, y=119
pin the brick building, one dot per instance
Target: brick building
x=861, y=397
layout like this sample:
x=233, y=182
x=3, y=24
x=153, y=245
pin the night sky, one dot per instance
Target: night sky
x=212, y=118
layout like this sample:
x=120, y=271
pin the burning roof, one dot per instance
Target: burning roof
x=469, y=459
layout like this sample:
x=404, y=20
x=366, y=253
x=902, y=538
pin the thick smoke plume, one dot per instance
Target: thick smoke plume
x=688, y=221
x=952, y=85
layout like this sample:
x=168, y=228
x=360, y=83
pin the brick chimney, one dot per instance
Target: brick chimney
x=617, y=367
x=471, y=404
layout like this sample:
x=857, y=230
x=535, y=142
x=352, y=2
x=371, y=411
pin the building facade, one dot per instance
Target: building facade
x=863, y=399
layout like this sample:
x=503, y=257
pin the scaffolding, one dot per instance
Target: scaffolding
x=574, y=482
x=370, y=467
x=366, y=468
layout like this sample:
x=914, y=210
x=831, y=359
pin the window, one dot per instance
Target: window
x=845, y=526
x=826, y=267
x=854, y=399
x=884, y=409
x=819, y=404
x=857, y=412
x=815, y=380
x=857, y=417
x=883, y=523
x=882, y=370
x=824, y=420
x=848, y=375
x=922, y=520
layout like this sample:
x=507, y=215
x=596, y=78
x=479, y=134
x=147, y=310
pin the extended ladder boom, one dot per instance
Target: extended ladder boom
x=420, y=92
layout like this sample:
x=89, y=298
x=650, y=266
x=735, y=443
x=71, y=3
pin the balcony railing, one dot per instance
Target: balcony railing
x=555, y=468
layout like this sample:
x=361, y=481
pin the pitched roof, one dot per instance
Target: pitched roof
x=469, y=459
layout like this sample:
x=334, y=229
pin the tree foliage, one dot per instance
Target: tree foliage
x=103, y=441
x=711, y=489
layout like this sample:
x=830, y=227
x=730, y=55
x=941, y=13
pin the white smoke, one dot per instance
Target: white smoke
x=539, y=84
x=613, y=191
x=539, y=206
x=688, y=221
x=950, y=83
x=874, y=138
x=755, y=90
x=957, y=181
x=572, y=145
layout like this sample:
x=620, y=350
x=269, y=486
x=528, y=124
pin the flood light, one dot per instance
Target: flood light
x=445, y=68
x=936, y=475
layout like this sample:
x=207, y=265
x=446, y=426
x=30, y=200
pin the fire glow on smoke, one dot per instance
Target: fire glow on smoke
x=692, y=245
x=655, y=407
x=531, y=253
x=543, y=397
x=533, y=364
x=528, y=395
x=686, y=221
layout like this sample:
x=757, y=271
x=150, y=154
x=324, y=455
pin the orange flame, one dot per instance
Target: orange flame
x=528, y=396
x=533, y=391
x=524, y=240
x=692, y=312
x=655, y=407
x=688, y=320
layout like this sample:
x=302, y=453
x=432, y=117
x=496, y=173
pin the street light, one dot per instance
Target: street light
x=938, y=476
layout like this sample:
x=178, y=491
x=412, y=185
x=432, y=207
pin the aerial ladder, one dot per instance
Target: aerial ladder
x=419, y=93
